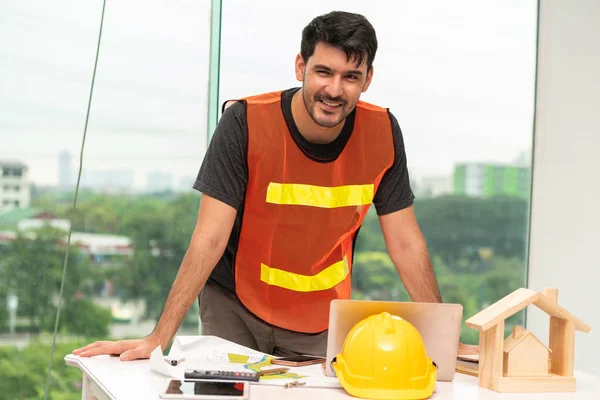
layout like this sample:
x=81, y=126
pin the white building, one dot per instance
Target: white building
x=14, y=185
x=433, y=186
x=159, y=181
x=65, y=173
x=102, y=249
x=108, y=180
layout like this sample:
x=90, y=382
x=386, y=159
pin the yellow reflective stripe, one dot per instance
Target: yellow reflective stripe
x=319, y=196
x=324, y=280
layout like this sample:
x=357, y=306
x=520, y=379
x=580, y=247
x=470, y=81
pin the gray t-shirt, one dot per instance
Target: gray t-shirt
x=224, y=171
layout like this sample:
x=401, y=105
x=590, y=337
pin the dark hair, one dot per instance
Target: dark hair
x=350, y=32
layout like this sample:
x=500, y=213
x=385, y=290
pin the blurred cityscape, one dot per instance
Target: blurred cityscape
x=458, y=78
x=118, y=180
x=477, y=179
x=107, y=249
x=102, y=249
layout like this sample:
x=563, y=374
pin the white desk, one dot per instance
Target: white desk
x=107, y=378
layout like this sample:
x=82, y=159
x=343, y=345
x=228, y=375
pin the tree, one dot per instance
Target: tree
x=80, y=316
x=370, y=237
x=23, y=372
x=160, y=226
x=374, y=276
x=161, y=232
x=4, y=316
x=32, y=269
x=457, y=227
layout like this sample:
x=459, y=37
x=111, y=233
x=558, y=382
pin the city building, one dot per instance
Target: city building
x=109, y=180
x=186, y=183
x=487, y=179
x=102, y=249
x=157, y=181
x=112, y=180
x=65, y=172
x=15, y=191
x=433, y=186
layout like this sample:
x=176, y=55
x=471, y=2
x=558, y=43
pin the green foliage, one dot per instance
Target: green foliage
x=160, y=226
x=3, y=310
x=83, y=317
x=32, y=269
x=375, y=277
x=370, y=237
x=457, y=228
x=161, y=231
x=477, y=249
x=23, y=372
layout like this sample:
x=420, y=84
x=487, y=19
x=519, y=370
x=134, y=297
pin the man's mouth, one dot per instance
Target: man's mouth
x=329, y=103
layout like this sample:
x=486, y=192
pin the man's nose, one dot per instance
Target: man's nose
x=335, y=88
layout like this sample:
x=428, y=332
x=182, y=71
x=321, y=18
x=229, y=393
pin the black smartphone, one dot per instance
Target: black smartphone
x=298, y=361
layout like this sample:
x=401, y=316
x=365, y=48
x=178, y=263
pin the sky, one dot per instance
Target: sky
x=459, y=76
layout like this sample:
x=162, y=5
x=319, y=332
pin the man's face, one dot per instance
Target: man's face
x=331, y=85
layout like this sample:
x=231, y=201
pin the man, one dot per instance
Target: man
x=287, y=181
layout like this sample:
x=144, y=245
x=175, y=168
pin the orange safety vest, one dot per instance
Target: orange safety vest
x=301, y=216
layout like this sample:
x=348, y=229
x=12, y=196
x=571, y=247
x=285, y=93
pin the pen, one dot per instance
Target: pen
x=273, y=371
x=294, y=384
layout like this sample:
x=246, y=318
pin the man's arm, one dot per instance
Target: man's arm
x=210, y=236
x=213, y=227
x=407, y=248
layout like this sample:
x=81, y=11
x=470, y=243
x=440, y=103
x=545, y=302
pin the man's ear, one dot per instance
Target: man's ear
x=300, y=67
x=368, y=80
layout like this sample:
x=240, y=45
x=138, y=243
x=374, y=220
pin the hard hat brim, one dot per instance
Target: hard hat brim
x=387, y=394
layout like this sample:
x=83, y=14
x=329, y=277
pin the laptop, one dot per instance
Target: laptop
x=438, y=323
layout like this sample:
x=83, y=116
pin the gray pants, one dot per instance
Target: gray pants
x=224, y=316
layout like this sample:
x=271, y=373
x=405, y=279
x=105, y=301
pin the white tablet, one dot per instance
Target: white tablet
x=205, y=390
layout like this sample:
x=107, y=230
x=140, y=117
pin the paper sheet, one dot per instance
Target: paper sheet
x=468, y=357
x=211, y=352
x=202, y=352
x=212, y=348
x=314, y=377
x=159, y=365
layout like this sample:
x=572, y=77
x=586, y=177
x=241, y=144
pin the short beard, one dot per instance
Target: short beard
x=311, y=111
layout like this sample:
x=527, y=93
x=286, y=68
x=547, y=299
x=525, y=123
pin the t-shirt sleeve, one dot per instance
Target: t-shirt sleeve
x=224, y=172
x=394, y=192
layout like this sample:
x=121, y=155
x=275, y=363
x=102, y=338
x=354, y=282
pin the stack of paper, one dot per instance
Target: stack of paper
x=214, y=353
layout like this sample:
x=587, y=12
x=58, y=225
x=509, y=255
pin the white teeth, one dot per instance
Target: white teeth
x=331, y=104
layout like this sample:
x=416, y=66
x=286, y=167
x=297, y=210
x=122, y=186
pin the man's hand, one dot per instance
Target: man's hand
x=215, y=221
x=467, y=349
x=127, y=349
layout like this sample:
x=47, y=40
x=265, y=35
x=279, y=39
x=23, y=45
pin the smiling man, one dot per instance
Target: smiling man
x=287, y=181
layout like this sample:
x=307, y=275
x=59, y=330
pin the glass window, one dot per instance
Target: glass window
x=461, y=84
x=136, y=209
x=457, y=78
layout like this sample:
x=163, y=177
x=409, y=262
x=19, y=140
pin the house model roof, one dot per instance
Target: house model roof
x=515, y=302
x=511, y=342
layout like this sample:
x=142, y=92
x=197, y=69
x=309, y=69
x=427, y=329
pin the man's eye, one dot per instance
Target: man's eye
x=351, y=77
x=322, y=72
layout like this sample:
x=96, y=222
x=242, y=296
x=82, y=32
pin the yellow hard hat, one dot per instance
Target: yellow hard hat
x=384, y=358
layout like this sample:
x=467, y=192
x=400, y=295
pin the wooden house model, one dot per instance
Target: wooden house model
x=525, y=355
x=521, y=362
